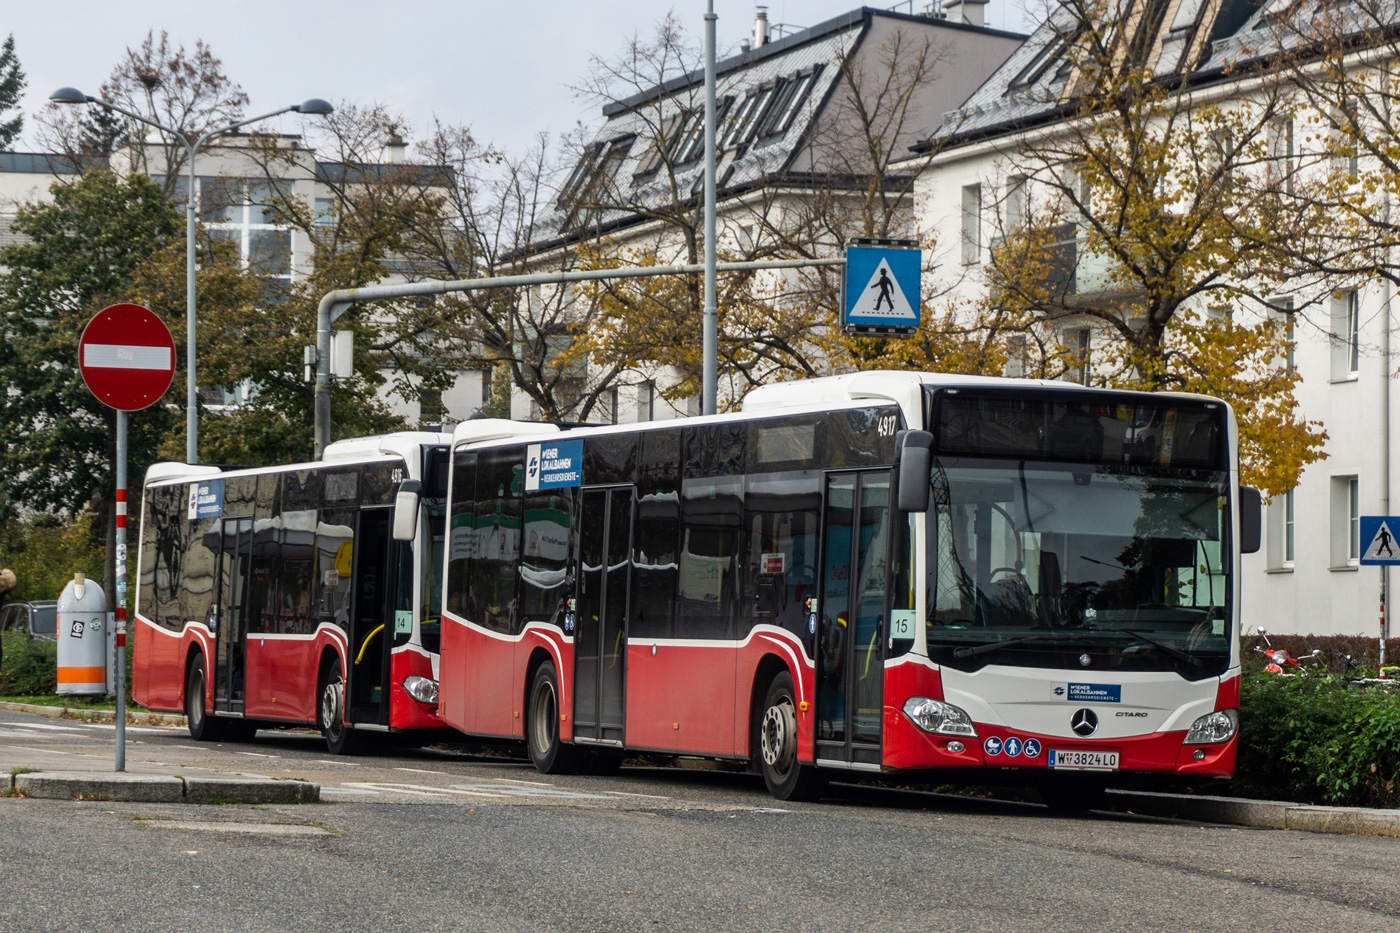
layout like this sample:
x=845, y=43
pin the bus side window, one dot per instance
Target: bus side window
x=461, y=534
x=335, y=551
x=656, y=531
x=544, y=565
x=170, y=555
x=782, y=512
x=496, y=564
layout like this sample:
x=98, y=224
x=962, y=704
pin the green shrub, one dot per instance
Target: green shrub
x=1314, y=739
x=29, y=668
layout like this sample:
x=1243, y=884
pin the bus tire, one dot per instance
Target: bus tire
x=548, y=752
x=330, y=712
x=775, y=726
x=203, y=727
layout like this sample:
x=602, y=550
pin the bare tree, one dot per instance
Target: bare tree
x=160, y=80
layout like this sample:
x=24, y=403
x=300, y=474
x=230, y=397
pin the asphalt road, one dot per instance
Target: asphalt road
x=429, y=840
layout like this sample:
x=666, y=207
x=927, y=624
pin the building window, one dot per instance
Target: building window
x=1353, y=521
x=1014, y=212
x=241, y=212
x=1288, y=505
x=1280, y=142
x=1016, y=356
x=1283, y=308
x=1346, y=522
x=646, y=401
x=1346, y=336
x=1280, y=532
x=971, y=224
x=1079, y=343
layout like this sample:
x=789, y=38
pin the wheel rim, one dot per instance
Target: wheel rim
x=546, y=713
x=331, y=699
x=195, y=700
x=777, y=737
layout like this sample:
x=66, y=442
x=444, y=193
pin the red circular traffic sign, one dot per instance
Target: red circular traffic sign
x=127, y=357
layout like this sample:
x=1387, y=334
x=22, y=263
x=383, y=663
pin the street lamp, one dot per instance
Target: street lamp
x=313, y=106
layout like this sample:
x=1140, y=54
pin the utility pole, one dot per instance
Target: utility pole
x=709, y=386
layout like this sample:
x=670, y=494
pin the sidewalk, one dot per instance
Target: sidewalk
x=1263, y=814
x=88, y=777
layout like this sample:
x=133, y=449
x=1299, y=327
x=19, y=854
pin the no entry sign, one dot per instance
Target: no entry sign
x=127, y=357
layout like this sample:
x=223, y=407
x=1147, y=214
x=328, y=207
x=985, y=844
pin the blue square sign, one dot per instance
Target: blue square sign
x=882, y=285
x=1378, y=545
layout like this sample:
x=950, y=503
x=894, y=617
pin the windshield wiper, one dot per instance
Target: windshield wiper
x=1168, y=650
x=993, y=646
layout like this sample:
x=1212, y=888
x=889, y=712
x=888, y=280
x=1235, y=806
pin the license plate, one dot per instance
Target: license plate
x=1083, y=761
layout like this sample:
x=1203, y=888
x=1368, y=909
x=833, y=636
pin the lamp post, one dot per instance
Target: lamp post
x=316, y=106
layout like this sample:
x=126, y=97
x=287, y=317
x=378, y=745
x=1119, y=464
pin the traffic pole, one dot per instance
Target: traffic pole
x=120, y=565
x=1380, y=664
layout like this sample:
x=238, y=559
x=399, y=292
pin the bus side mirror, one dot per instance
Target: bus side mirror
x=1251, y=519
x=914, y=461
x=406, y=510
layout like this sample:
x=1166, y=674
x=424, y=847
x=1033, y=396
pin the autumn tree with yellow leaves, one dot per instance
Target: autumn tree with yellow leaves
x=1170, y=226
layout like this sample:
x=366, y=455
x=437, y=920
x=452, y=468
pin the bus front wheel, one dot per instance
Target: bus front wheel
x=202, y=726
x=776, y=728
x=330, y=713
x=547, y=750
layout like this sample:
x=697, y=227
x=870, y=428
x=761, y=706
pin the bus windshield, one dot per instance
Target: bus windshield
x=1042, y=564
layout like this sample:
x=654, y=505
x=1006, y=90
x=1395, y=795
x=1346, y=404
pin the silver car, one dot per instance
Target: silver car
x=35, y=619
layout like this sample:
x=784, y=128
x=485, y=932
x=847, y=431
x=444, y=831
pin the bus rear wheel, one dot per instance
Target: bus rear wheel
x=330, y=713
x=547, y=750
x=776, y=730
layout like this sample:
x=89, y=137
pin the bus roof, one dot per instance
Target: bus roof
x=404, y=445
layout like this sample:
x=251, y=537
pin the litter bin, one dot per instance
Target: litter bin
x=82, y=638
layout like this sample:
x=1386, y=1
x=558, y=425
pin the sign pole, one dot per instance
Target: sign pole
x=127, y=359
x=1380, y=664
x=120, y=565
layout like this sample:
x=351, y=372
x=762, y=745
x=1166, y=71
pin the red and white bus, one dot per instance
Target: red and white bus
x=295, y=595
x=880, y=572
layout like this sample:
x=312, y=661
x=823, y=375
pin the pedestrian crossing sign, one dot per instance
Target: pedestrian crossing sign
x=1377, y=537
x=882, y=287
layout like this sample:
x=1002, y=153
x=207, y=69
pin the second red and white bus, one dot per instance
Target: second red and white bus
x=881, y=572
x=281, y=596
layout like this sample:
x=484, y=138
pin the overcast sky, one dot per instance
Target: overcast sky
x=503, y=68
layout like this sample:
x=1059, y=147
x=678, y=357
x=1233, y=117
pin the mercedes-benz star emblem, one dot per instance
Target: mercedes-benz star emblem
x=1084, y=722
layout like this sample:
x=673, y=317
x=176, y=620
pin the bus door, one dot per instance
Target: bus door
x=230, y=613
x=371, y=617
x=600, y=613
x=852, y=617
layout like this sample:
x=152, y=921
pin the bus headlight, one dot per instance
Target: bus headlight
x=421, y=689
x=1213, y=728
x=939, y=717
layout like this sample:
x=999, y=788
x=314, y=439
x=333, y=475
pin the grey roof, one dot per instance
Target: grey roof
x=38, y=163
x=333, y=173
x=821, y=47
x=1027, y=89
